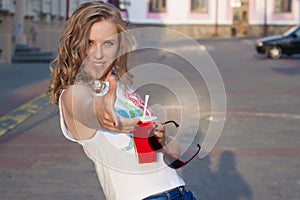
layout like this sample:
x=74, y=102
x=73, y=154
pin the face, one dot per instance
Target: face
x=102, y=49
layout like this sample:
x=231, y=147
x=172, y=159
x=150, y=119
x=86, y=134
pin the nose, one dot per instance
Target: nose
x=98, y=52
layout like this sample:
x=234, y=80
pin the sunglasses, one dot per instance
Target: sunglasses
x=170, y=159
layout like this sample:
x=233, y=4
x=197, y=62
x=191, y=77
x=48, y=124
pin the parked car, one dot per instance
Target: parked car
x=275, y=46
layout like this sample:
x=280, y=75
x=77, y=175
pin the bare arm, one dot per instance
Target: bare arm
x=86, y=113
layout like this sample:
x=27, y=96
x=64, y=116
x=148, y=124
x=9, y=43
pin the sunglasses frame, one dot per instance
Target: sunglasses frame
x=156, y=145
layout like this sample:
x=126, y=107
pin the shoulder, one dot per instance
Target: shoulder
x=74, y=94
x=75, y=91
x=72, y=104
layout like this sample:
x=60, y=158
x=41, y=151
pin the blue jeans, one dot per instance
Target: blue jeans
x=175, y=194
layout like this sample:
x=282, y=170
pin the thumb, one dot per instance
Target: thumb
x=112, y=94
x=112, y=86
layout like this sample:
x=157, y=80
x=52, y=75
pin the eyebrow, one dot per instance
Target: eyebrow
x=108, y=39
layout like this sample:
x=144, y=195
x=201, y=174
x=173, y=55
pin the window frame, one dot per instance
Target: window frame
x=283, y=6
x=161, y=6
x=200, y=8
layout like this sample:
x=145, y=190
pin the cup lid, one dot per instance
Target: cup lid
x=147, y=118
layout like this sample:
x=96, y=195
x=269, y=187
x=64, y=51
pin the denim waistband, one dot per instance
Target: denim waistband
x=170, y=194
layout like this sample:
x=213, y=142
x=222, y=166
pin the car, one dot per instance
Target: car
x=275, y=46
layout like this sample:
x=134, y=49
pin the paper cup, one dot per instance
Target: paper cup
x=145, y=154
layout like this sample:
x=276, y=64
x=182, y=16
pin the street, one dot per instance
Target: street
x=257, y=155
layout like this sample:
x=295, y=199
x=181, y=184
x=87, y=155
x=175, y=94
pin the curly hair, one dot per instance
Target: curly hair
x=74, y=43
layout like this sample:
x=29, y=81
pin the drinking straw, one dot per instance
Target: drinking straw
x=146, y=104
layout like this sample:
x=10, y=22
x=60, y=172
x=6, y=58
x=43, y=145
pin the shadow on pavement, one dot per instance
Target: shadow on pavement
x=224, y=183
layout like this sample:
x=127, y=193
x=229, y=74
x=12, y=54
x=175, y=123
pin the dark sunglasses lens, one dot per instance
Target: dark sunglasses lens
x=176, y=163
x=173, y=162
x=154, y=143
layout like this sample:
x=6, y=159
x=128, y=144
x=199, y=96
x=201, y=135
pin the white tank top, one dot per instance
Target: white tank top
x=115, y=160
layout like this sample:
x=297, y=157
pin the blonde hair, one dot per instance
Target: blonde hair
x=74, y=43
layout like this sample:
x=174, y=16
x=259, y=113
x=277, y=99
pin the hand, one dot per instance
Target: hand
x=168, y=142
x=159, y=130
x=106, y=115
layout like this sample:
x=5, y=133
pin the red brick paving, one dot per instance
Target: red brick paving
x=24, y=150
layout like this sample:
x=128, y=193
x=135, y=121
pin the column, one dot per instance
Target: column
x=19, y=19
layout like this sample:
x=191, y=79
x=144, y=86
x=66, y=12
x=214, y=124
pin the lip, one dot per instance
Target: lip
x=100, y=68
x=100, y=65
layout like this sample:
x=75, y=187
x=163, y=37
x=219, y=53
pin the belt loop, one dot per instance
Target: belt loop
x=181, y=189
x=168, y=195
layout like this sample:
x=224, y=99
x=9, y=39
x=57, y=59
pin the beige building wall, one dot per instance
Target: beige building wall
x=6, y=29
x=42, y=25
x=48, y=35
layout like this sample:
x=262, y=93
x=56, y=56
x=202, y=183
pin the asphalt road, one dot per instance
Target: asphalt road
x=257, y=155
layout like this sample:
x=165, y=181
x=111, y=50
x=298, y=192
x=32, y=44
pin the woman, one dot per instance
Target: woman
x=96, y=107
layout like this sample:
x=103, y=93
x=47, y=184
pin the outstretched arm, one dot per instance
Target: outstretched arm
x=85, y=112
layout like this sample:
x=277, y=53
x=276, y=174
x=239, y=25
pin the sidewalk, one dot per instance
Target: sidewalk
x=21, y=92
x=36, y=161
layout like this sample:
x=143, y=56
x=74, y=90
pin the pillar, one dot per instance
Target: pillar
x=19, y=21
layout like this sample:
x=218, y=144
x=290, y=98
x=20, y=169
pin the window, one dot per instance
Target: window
x=199, y=6
x=120, y=4
x=245, y=16
x=236, y=16
x=283, y=6
x=115, y=3
x=157, y=6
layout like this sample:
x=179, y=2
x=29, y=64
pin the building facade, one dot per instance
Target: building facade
x=32, y=23
x=40, y=22
x=222, y=18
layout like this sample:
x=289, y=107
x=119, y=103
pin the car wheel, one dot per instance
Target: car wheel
x=274, y=52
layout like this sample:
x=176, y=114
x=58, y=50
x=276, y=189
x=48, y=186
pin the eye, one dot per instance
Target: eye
x=108, y=43
x=90, y=43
